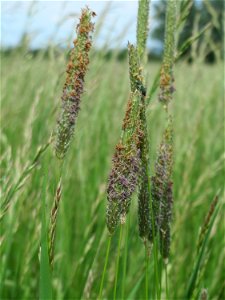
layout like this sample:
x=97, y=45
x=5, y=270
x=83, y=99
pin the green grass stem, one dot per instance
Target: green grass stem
x=105, y=267
x=45, y=273
x=167, y=287
x=127, y=225
x=118, y=261
x=146, y=272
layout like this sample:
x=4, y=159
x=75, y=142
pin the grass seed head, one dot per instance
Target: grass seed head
x=206, y=223
x=165, y=220
x=167, y=87
x=136, y=77
x=144, y=211
x=123, y=181
x=74, y=85
x=144, y=220
x=124, y=175
x=162, y=194
x=137, y=84
x=142, y=26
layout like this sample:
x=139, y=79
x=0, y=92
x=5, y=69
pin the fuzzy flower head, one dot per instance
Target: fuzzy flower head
x=167, y=87
x=74, y=85
x=166, y=76
x=144, y=199
x=136, y=77
x=165, y=220
x=142, y=26
x=124, y=175
x=162, y=193
x=123, y=180
x=144, y=213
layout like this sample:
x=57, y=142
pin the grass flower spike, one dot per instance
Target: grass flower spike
x=144, y=209
x=142, y=26
x=125, y=173
x=123, y=178
x=137, y=84
x=166, y=76
x=162, y=189
x=162, y=185
x=135, y=71
x=74, y=85
x=206, y=223
x=71, y=97
x=144, y=213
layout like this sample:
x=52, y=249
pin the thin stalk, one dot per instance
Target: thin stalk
x=105, y=267
x=146, y=271
x=161, y=272
x=45, y=284
x=167, y=287
x=125, y=257
x=155, y=255
x=155, y=248
x=118, y=261
x=54, y=215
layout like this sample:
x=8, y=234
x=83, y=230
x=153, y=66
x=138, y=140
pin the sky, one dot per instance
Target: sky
x=55, y=21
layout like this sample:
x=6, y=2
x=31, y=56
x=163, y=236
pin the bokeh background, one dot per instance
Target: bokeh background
x=41, y=24
x=35, y=44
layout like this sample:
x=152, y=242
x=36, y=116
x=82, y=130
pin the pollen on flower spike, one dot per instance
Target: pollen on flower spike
x=162, y=189
x=125, y=171
x=74, y=85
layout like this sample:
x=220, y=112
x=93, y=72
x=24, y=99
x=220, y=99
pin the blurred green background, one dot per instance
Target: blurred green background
x=31, y=85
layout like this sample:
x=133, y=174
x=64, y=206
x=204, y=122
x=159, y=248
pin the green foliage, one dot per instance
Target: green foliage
x=45, y=275
x=29, y=102
x=80, y=246
x=7, y=197
x=192, y=12
x=200, y=255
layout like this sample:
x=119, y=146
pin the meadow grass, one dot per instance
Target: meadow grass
x=30, y=172
x=81, y=231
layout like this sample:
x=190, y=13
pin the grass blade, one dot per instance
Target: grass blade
x=105, y=266
x=199, y=258
x=22, y=179
x=45, y=275
x=133, y=292
x=118, y=262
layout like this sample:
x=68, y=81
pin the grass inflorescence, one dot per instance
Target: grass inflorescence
x=142, y=27
x=124, y=175
x=74, y=85
x=166, y=75
x=162, y=194
x=162, y=183
x=71, y=97
x=155, y=195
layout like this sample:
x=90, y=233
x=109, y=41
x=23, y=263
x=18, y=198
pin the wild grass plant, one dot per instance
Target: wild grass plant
x=71, y=98
x=195, y=267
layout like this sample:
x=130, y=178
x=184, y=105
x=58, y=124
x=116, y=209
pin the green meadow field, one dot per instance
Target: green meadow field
x=65, y=229
x=30, y=94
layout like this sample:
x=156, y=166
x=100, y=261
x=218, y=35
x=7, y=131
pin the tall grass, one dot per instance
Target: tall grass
x=81, y=243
